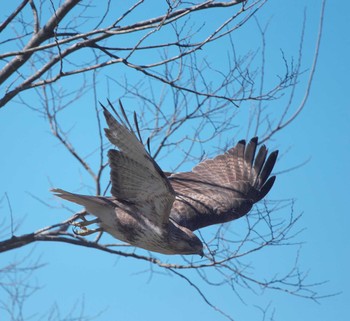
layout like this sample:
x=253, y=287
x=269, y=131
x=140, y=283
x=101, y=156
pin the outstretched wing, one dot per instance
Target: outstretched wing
x=136, y=178
x=224, y=188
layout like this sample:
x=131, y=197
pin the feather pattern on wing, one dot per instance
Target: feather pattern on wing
x=142, y=188
x=136, y=178
x=223, y=188
x=158, y=211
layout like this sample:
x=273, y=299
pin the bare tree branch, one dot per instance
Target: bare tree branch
x=90, y=40
x=185, y=108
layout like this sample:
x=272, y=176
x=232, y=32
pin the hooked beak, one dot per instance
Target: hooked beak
x=201, y=253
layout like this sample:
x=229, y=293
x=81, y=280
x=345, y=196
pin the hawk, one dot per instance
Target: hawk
x=159, y=212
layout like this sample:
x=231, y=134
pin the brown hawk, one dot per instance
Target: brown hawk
x=158, y=212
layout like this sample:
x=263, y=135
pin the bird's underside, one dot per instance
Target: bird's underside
x=157, y=211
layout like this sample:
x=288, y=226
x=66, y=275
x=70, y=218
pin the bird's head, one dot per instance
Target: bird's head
x=185, y=241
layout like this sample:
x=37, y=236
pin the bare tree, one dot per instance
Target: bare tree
x=165, y=53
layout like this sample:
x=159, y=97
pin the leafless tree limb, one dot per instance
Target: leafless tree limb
x=176, y=76
x=74, y=40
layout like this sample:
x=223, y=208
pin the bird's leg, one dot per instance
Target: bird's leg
x=85, y=222
x=79, y=215
x=81, y=227
x=84, y=231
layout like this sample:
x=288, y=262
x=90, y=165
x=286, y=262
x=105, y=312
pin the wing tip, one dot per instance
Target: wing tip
x=265, y=189
x=241, y=142
x=109, y=117
x=254, y=140
x=274, y=154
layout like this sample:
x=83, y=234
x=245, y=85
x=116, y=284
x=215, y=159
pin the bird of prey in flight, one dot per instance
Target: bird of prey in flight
x=159, y=212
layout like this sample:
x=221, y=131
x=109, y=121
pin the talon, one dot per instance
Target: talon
x=84, y=223
x=84, y=231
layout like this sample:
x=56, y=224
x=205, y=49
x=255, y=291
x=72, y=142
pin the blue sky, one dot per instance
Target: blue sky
x=32, y=160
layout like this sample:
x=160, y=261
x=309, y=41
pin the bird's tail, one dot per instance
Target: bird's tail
x=93, y=204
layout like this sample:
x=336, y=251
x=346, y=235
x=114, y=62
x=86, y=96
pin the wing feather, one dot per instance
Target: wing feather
x=136, y=178
x=142, y=188
x=223, y=188
x=125, y=140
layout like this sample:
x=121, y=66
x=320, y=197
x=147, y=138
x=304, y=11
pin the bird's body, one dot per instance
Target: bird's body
x=128, y=225
x=158, y=212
